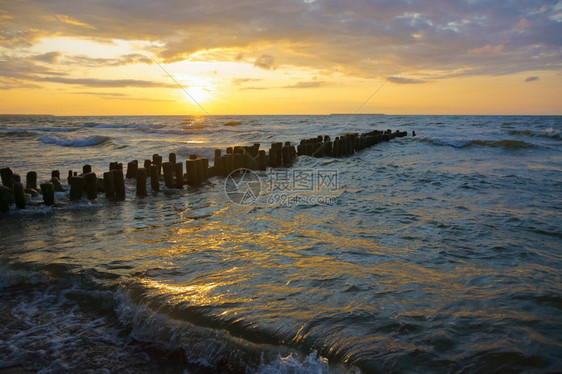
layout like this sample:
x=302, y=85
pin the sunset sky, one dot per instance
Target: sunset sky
x=280, y=57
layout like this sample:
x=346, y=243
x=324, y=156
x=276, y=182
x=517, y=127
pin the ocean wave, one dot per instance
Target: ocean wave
x=201, y=152
x=70, y=141
x=140, y=126
x=465, y=143
x=37, y=129
x=550, y=133
x=233, y=123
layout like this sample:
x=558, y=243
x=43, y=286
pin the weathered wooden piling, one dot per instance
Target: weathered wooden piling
x=19, y=195
x=132, y=168
x=205, y=162
x=262, y=160
x=91, y=186
x=31, y=180
x=6, y=174
x=108, y=185
x=115, y=166
x=76, y=187
x=228, y=164
x=179, y=175
x=48, y=191
x=154, y=179
x=237, y=159
x=119, y=184
x=200, y=171
x=218, y=162
x=56, y=182
x=191, y=171
x=147, y=164
x=169, y=171
x=172, y=158
x=86, y=169
x=141, y=182
x=5, y=199
x=157, y=160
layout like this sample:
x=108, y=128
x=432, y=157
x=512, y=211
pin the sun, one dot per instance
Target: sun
x=198, y=89
x=200, y=94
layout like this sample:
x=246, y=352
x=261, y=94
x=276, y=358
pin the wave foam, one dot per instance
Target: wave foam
x=70, y=141
x=465, y=143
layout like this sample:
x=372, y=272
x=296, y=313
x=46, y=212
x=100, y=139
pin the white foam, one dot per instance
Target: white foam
x=313, y=363
x=73, y=141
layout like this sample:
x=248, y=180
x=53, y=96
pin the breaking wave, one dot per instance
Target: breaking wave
x=465, y=143
x=70, y=141
x=550, y=133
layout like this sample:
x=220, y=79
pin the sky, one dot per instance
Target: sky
x=196, y=57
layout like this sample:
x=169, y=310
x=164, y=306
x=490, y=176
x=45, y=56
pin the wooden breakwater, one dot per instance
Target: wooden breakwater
x=197, y=169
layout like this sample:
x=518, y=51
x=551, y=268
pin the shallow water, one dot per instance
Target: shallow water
x=435, y=253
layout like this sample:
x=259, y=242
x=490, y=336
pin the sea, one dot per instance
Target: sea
x=434, y=253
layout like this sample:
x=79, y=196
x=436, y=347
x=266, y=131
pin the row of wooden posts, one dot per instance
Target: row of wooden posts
x=197, y=169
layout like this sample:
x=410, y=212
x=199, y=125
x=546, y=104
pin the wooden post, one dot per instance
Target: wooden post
x=91, y=186
x=172, y=158
x=228, y=164
x=191, y=171
x=218, y=162
x=154, y=181
x=169, y=171
x=132, y=168
x=19, y=195
x=108, y=185
x=205, y=162
x=6, y=174
x=141, y=182
x=48, y=191
x=76, y=187
x=157, y=160
x=115, y=166
x=262, y=160
x=86, y=169
x=5, y=199
x=179, y=175
x=200, y=171
x=56, y=182
x=147, y=164
x=237, y=157
x=119, y=184
x=31, y=180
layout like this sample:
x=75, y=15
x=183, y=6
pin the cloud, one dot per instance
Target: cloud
x=308, y=84
x=49, y=57
x=239, y=81
x=531, y=79
x=120, y=96
x=357, y=38
x=19, y=72
x=133, y=58
x=402, y=80
x=265, y=62
x=94, y=82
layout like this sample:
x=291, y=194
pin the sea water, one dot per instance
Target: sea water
x=435, y=253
